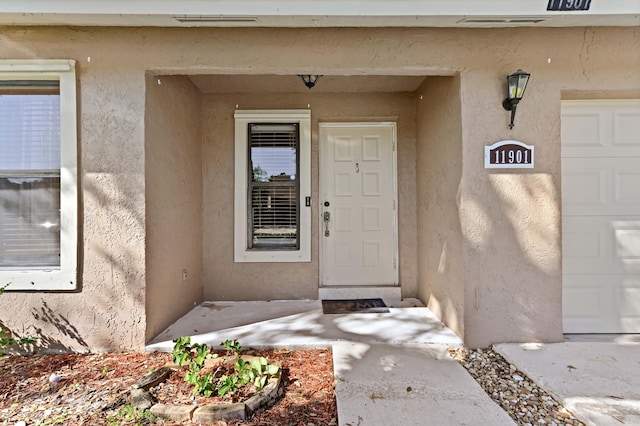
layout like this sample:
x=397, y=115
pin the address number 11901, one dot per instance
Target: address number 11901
x=508, y=155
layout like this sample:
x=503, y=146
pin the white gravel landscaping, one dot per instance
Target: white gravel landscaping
x=521, y=398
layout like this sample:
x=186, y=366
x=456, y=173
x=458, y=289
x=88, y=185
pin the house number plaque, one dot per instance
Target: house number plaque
x=508, y=155
x=568, y=5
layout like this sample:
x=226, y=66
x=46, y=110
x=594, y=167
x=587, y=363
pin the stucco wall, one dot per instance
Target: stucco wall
x=226, y=280
x=108, y=311
x=173, y=171
x=439, y=176
x=510, y=221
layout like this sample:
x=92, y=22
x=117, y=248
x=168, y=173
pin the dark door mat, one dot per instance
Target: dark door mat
x=347, y=306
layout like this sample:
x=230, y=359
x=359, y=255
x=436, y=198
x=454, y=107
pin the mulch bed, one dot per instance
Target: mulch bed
x=94, y=388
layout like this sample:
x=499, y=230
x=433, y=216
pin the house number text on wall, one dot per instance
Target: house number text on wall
x=508, y=155
x=568, y=5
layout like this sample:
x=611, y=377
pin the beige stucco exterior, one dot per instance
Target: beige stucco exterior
x=440, y=243
x=173, y=196
x=226, y=280
x=482, y=248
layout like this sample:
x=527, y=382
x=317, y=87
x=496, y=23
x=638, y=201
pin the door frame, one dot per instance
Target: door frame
x=321, y=179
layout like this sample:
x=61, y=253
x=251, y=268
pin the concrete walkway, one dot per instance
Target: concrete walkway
x=408, y=384
x=390, y=369
x=598, y=381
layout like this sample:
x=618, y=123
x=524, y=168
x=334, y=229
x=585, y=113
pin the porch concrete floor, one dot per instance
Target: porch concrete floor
x=301, y=323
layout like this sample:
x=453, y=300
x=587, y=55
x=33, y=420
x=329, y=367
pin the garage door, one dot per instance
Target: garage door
x=601, y=216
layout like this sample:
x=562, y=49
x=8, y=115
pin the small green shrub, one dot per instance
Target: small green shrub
x=261, y=371
x=185, y=353
x=232, y=346
x=228, y=385
x=130, y=415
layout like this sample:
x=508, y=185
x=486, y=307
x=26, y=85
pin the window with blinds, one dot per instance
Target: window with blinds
x=29, y=174
x=274, y=187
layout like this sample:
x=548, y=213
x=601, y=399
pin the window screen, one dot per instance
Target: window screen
x=29, y=174
x=273, y=186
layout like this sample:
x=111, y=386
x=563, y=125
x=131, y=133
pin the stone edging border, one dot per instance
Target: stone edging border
x=141, y=399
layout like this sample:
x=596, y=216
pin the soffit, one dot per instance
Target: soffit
x=210, y=84
x=315, y=13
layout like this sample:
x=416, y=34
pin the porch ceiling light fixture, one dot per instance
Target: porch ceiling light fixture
x=309, y=80
x=516, y=85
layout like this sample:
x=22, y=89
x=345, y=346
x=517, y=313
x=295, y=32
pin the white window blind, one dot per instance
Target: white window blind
x=29, y=174
x=273, y=186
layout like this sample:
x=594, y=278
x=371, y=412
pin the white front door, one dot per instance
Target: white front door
x=358, y=204
x=601, y=216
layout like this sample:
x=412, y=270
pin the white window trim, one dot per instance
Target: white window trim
x=65, y=277
x=242, y=120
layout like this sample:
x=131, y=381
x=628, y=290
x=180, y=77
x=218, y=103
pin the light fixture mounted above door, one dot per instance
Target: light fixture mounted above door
x=309, y=80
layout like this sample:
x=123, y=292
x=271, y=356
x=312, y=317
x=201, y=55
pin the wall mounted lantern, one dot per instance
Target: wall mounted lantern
x=516, y=84
x=309, y=80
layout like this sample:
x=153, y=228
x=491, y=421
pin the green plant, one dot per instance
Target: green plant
x=51, y=421
x=202, y=385
x=7, y=338
x=185, y=353
x=243, y=369
x=261, y=371
x=181, y=350
x=258, y=372
x=129, y=414
x=232, y=346
x=228, y=385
